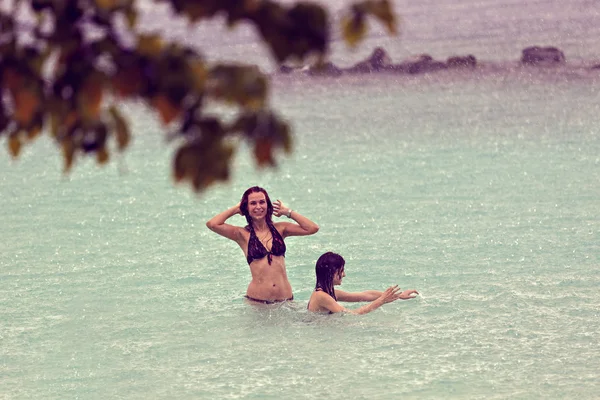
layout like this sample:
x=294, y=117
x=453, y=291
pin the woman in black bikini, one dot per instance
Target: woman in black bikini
x=330, y=271
x=262, y=242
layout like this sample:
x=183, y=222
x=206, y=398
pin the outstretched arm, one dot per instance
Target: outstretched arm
x=217, y=223
x=303, y=225
x=390, y=294
x=371, y=295
x=367, y=295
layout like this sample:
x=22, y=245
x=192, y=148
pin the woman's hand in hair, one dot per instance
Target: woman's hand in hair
x=279, y=209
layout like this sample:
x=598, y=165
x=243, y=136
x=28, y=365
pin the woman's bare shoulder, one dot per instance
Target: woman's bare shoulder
x=316, y=300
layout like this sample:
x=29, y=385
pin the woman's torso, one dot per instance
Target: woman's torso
x=269, y=280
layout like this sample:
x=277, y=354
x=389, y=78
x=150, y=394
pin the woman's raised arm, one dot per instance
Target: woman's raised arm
x=303, y=225
x=217, y=223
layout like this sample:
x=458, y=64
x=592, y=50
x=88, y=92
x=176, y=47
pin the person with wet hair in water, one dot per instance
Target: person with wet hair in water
x=330, y=271
x=262, y=242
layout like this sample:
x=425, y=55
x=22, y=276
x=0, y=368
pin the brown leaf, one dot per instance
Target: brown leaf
x=34, y=132
x=12, y=79
x=61, y=121
x=102, y=155
x=263, y=152
x=167, y=110
x=54, y=123
x=185, y=163
x=90, y=97
x=354, y=28
x=202, y=180
x=70, y=120
x=68, y=149
x=121, y=129
x=199, y=74
x=196, y=10
x=107, y=4
x=245, y=86
x=280, y=47
x=26, y=104
x=382, y=10
x=14, y=145
x=150, y=45
x=202, y=163
x=251, y=6
x=127, y=82
x=286, y=138
x=255, y=92
x=131, y=15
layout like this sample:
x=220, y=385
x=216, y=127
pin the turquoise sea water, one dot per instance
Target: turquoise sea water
x=480, y=190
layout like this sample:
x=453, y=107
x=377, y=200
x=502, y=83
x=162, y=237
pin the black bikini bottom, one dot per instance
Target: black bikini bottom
x=268, y=301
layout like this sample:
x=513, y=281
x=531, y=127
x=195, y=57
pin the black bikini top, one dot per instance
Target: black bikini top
x=256, y=250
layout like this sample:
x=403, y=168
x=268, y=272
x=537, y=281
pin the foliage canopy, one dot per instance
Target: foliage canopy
x=66, y=70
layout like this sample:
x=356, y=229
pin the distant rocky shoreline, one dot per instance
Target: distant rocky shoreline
x=380, y=61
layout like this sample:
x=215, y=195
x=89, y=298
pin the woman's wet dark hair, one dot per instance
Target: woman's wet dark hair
x=327, y=266
x=244, y=204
